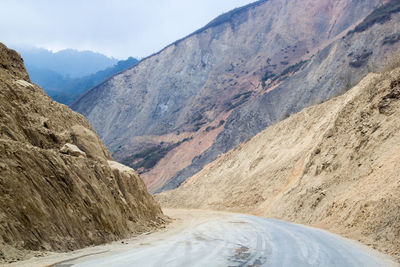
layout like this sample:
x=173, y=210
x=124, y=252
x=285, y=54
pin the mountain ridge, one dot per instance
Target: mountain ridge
x=214, y=23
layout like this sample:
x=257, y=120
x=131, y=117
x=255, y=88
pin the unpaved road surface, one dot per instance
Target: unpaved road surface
x=201, y=238
x=242, y=240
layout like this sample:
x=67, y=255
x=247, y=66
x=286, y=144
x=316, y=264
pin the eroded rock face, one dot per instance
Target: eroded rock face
x=203, y=95
x=59, y=189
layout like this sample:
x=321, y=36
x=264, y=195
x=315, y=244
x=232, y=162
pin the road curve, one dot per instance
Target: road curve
x=241, y=240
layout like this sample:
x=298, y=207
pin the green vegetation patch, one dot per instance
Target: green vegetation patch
x=284, y=74
x=391, y=39
x=245, y=94
x=293, y=68
x=361, y=59
x=149, y=157
x=237, y=100
x=268, y=75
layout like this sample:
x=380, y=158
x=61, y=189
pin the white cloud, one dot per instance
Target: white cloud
x=118, y=28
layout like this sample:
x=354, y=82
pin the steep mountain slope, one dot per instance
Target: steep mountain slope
x=203, y=95
x=59, y=187
x=334, y=165
x=66, y=90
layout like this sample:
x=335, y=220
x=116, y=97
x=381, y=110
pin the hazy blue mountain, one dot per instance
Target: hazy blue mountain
x=66, y=74
x=65, y=89
x=67, y=62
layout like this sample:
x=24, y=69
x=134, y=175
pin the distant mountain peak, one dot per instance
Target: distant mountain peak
x=66, y=62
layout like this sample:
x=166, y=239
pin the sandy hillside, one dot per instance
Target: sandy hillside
x=335, y=165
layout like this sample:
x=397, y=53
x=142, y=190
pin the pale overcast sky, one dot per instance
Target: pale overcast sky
x=118, y=28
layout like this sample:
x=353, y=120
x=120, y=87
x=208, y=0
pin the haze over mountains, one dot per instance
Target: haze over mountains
x=66, y=74
x=205, y=94
x=68, y=62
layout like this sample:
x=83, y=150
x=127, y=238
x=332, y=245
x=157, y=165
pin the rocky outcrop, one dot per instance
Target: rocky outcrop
x=59, y=186
x=334, y=165
x=203, y=95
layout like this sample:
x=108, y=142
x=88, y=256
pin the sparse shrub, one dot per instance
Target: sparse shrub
x=197, y=117
x=360, y=60
x=291, y=69
x=237, y=100
x=391, y=39
x=149, y=157
x=294, y=68
x=210, y=128
x=268, y=75
x=199, y=124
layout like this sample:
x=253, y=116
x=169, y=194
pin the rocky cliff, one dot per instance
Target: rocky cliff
x=205, y=94
x=60, y=189
x=334, y=165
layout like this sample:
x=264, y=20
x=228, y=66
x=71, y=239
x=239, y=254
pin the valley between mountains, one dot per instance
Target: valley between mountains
x=285, y=110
